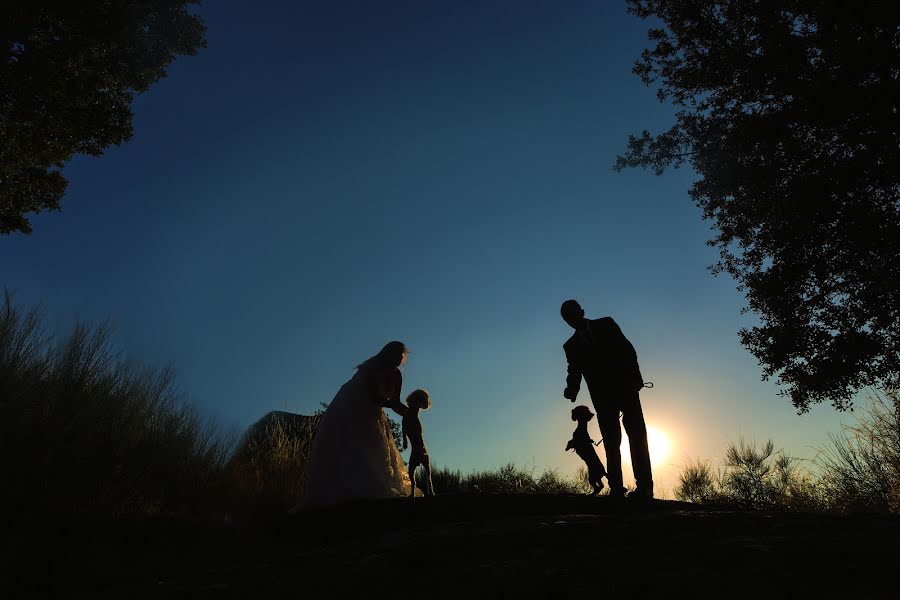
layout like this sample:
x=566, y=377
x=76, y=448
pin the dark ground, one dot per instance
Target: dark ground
x=469, y=546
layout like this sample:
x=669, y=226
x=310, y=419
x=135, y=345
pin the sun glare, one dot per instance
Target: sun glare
x=659, y=443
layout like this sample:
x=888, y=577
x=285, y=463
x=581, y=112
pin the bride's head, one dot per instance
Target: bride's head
x=391, y=356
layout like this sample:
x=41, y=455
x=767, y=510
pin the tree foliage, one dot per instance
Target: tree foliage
x=787, y=112
x=68, y=75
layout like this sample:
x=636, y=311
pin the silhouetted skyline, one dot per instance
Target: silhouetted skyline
x=326, y=177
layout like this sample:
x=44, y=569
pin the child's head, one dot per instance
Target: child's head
x=582, y=413
x=419, y=399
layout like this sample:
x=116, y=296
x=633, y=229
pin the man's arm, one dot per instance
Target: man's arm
x=573, y=379
x=628, y=355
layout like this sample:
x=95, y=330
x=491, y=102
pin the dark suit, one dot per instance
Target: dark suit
x=609, y=365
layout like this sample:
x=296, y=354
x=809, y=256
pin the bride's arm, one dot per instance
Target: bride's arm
x=395, y=385
x=387, y=393
x=399, y=408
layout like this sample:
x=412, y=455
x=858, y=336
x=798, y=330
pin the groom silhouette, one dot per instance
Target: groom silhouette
x=600, y=353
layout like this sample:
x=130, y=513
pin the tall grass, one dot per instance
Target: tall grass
x=508, y=479
x=858, y=470
x=861, y=464
x=268, y=472
x=82, y=430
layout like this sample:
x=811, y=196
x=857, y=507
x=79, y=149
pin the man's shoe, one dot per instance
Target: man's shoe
x=640, y=495
x=616, y=494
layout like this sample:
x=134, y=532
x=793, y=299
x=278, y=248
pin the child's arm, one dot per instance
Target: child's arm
x=405, y=437
x=570, y=445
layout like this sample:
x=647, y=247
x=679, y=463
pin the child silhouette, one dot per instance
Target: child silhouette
x=412, y=429
x=583, y=445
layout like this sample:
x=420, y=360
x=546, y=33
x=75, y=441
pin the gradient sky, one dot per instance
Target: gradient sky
x=328, y=176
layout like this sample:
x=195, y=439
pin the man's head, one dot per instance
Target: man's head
x=573, y=314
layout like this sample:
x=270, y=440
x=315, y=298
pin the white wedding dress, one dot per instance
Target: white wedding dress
x=353, y=454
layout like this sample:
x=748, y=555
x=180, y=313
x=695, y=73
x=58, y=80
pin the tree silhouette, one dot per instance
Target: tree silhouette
x=787, y=111
x=68, y=75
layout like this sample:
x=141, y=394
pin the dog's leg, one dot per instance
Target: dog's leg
x=596, y=480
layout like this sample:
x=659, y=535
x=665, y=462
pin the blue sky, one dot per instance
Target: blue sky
x=329, y=176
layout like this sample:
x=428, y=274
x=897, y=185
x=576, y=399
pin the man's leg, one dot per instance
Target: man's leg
x=633, y=420
x=608, y=419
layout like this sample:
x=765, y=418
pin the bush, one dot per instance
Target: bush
x=751, y=478
x=858, y=470
x=81, y=430
x=698, y=483
x=269, y=470
x=861, y=465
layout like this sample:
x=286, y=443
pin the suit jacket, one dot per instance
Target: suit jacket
x=609, y=365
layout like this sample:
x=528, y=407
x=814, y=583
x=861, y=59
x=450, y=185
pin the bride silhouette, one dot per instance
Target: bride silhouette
x=353, y=454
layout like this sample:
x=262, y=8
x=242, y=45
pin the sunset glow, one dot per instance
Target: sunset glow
x=660, y=445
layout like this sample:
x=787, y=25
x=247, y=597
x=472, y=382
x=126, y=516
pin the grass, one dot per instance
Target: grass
x=268, y=472
x=508, y=479
x=84, y=431
x=858, y=470
x=861, y=464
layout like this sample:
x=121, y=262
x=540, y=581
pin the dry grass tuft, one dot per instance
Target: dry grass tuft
x=861, y=465
x=268, y=472
x=82, y=430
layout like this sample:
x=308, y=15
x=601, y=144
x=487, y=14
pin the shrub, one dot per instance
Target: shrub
x=861, y=465
x=697, y=482
x=749, y=478
x=269, y=470
x=752, y=478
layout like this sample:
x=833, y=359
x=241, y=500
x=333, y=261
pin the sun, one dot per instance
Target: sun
x=660, y=445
